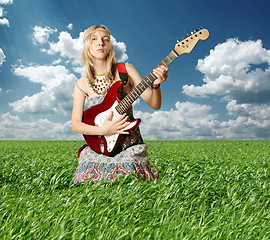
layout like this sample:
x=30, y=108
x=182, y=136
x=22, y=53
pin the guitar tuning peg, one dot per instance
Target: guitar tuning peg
x=200, y=28
x=178, y=40
x=191, y=33
x=196, y=30
x=187, y=35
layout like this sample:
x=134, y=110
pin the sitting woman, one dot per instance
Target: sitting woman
x=102, y=72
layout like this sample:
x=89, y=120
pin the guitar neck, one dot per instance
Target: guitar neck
x=184, y=46
x=129, y=99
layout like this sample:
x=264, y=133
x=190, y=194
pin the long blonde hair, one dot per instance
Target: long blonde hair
x=87, y=58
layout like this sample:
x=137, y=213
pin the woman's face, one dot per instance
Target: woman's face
x=100, y=44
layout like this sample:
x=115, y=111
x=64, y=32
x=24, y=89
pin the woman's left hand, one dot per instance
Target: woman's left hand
x=161, y=73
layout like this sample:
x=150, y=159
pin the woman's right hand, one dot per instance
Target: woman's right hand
x=116, y=126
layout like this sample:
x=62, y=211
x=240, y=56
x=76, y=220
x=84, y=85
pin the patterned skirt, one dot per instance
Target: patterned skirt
x=98, y=167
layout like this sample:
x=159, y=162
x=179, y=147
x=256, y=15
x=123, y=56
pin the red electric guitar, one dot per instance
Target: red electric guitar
x=96, y=115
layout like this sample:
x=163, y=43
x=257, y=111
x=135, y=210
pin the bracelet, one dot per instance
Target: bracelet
x=156, y=87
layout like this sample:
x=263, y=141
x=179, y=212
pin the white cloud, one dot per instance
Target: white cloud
x=179, y=123
x=5, y=2
x=70, y=26
x=57, y=86
x=252, y=121
x=240, y=73
x=258, y=112
x=41, y=35
x=68, y=47
x=13, y=128
x=176, y=124
x=1, y=12
x=120, y=50
x=235, y=69
x=71, y=48
x=80, y=70
x=4, y=21
x=5, y=91
x=2, y=57
x=46, y=75
x=57, y=62
x=196, y=122
x=182, y=122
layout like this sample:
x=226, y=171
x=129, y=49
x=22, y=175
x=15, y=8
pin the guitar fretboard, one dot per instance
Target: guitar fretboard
x=129, y=99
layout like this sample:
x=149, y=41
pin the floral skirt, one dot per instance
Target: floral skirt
x=98, y=167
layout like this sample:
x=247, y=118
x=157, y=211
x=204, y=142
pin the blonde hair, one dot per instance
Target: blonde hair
x=87, y=58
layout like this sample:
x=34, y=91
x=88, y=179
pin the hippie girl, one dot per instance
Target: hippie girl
x=102, y=72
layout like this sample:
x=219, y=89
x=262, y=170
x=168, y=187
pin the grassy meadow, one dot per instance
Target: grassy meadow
x=206, y=190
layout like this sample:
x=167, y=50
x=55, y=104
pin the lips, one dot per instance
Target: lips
x=100, y=50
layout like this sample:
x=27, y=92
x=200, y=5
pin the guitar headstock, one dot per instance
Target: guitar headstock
x=186, y=45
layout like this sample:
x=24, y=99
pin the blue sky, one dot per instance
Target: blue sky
x=221, y=90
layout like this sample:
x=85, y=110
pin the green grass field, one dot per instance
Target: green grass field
x=206, y=190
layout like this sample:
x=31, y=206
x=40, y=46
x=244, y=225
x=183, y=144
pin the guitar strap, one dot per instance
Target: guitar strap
x=121, y=67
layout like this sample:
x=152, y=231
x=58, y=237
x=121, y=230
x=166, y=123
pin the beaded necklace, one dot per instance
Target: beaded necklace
x=100, y=84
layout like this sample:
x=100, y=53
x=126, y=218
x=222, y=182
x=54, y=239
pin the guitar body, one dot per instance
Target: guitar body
x=96, y=115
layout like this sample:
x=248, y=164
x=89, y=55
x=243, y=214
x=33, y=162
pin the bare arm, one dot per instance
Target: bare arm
x=151, y=96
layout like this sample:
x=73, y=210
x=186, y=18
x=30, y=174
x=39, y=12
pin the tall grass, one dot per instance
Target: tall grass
x=206, y=190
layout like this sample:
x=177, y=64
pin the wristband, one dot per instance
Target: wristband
x=156, y=87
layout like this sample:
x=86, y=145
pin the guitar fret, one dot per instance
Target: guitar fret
x=152, y=76
x=118, y=108
x=125, y=104
x=139, y=86
x=133, y=94
x=175, y=54
x=137, y=92
x=145, y=85
x=129, y=101
x=168, y=61
x=148, y=80
x=164, y=62
x=170, y=58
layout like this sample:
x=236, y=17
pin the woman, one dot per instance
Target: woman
x=101, y=72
